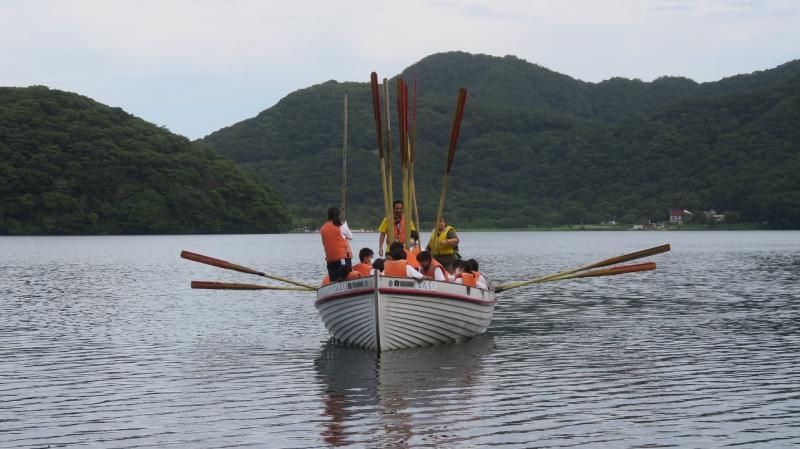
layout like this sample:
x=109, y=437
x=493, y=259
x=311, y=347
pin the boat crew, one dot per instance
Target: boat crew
x=444, y=245
x=337, y=250
x=399, y=224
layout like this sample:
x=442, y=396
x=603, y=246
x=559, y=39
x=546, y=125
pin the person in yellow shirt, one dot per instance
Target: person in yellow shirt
x=444, y=245
x=399, y=222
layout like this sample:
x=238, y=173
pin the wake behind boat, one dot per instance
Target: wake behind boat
x=384, y=313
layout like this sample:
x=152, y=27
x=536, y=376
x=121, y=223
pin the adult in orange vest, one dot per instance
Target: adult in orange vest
x=430, y=268
x=365, y=265
x=337, y=250
x=399, y=224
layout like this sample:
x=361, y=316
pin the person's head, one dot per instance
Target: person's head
x=334, y=215
x=378, y=264
x=473, y=264
x=365, y=255
x=396, y=246
x=424, y=259
x=442, y=223
x=397, y=210
x=397, y=254
x=414, y=237
x=463, y=266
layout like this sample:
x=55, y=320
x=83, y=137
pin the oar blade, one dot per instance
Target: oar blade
x=631, y=256
x=647, y=266
x=218, y=263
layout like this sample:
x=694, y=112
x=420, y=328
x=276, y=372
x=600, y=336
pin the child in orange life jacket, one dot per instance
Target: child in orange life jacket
x=410, y=258
x=397, y=266
x=480, y=279
x=377, y=265
x=365, y=258
x=463, y=274
x=430, y=268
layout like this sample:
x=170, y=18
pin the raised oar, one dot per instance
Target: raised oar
x=602, y=263
x=647, y=266
x=451, y=154
x=376, y=107
x=237, y=286
x=232, y=266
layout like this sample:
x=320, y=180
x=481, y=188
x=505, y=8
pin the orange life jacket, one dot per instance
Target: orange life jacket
x=469, y=279
x=336, y=246
x=411, y=259
x=431, y=272
x=363, y=268
x=395, y=268
x=326, y=280
x=399, y=235
x=353, y=275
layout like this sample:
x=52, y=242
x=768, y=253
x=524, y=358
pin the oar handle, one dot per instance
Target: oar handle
x=219, y=263
x=209, y=285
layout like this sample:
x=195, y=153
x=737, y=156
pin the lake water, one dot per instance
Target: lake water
x=105, y=345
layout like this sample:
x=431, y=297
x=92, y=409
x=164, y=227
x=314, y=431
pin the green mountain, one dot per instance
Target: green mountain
x=70, y=165
x=541, y=148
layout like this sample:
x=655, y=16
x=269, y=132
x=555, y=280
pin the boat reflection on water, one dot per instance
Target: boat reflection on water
x=388, y=392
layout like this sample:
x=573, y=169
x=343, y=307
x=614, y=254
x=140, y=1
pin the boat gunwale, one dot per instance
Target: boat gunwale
x=408, y=292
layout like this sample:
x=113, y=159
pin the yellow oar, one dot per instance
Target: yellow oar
x=602, y=263
x=232, y=266
x=237, y=286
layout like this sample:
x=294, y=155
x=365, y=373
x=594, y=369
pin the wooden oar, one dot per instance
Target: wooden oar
x=389, y=182
x=344, y=160
x=451, y=154
x=647, y=266
x=232, y=266
x=602, y=263
x=376, y=108
x=237, y=286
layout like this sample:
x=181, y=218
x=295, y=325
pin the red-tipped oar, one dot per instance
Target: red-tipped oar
x=237, y=286
x=232, y=266
x=646, y=266
x=603, y=263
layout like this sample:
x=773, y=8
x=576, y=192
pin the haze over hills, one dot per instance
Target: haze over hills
x=541, y=148
x=70, y=165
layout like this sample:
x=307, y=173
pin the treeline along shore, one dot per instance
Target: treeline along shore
x=537, y=149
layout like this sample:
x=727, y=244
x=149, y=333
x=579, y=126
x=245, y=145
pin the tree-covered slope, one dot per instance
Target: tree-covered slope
x=69, y=165
x=541, y=148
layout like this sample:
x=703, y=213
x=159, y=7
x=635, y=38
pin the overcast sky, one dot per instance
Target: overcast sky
x=195, y=66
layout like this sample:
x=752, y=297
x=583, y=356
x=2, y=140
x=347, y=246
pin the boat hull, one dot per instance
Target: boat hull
x=384, y=313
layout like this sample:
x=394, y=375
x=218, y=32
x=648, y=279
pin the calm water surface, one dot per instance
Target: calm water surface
x=105, y=345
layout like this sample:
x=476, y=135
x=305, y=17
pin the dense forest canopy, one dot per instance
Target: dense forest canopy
x=541, y=148
x=69, y=165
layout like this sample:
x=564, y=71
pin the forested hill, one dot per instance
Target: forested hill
x=541, y=148
x=70, y=165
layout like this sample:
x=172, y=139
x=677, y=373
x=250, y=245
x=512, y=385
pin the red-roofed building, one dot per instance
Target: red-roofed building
x=677, y=215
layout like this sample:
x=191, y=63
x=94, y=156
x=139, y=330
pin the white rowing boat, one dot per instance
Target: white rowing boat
x=384, y=313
